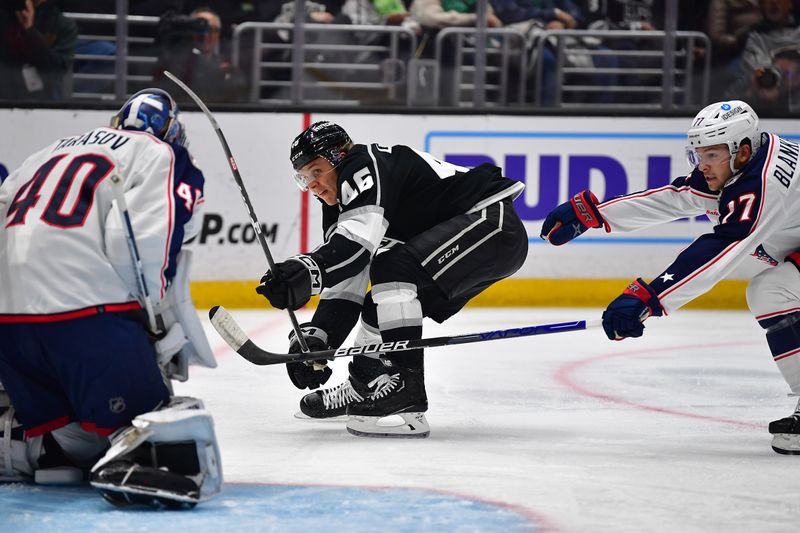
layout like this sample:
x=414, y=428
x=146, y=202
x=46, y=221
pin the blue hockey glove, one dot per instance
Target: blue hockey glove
x=309, y=374
x=624, y=316
x=292, y=285
x=571, y=219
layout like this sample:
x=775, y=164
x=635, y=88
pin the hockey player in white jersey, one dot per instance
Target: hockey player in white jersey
x=85, y=357
x=747, y=182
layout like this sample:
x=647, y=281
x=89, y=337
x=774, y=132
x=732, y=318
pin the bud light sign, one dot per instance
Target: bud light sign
x=557, y=165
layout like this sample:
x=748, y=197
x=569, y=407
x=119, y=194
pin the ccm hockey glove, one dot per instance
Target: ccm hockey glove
x=571, y=219
x=292, y=284
x=624, y=316
x=309, y=374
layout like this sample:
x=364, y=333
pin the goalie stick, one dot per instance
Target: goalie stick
x=122, y=207
x=245, y=197
x=237, y=339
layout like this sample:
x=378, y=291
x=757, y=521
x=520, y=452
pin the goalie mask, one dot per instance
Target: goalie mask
x=321, y=139
x=728, y=123
x=152, y=111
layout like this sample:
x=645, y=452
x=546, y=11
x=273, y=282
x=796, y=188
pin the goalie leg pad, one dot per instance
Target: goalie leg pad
x=167, y=457
x=17, y=455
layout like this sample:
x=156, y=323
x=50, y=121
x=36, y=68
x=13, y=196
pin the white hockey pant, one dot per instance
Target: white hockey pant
x=774, y=299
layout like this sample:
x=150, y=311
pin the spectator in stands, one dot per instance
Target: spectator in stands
x=37, y=45
x=378, y=12
x=532, y=17
x=192, y=52
x=633, y=15
x=768, y=74
x=443, y=13
x=729, y=21
x=317, y=12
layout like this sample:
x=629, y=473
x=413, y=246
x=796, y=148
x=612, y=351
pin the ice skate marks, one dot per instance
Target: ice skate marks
x=253, y=507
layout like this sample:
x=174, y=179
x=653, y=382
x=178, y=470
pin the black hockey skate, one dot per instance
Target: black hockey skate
x=786, y=434
x=331, y=404
x=400, y=391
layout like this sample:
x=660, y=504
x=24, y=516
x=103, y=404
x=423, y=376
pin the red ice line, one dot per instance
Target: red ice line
x=565, y=376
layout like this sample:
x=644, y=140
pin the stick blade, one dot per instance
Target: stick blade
x=236, y=338
x=227, y=327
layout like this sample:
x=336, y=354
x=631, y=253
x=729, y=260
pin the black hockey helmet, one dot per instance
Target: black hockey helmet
x=321, y=139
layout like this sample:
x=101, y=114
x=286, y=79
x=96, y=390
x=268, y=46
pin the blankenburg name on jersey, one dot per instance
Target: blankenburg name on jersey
x=786, y=163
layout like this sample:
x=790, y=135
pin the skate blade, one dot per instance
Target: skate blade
x=300, y=415
x=786, y=444
x=413, y=426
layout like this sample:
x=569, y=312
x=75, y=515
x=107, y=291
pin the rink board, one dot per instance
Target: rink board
x=554, y=156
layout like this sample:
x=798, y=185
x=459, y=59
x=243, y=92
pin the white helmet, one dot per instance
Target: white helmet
x=724, y=123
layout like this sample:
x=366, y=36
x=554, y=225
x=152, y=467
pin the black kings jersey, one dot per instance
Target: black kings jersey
x=396, y=193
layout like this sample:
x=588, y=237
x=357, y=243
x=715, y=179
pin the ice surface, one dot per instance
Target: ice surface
x=565, y=432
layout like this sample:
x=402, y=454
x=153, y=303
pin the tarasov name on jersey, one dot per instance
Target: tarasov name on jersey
x=101, y=137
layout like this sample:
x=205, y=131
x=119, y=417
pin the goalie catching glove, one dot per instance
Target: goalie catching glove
x=309, y=374
x=292, y=284
x=624, y=316
x=571, y=219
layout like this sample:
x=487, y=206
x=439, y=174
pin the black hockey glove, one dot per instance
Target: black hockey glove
x=571, y=219
x=624, y=316
x=292, y=284
x=309, y=374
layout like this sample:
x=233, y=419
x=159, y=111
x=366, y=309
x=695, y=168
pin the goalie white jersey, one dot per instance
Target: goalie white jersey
x=756, y=216
x=63, y=249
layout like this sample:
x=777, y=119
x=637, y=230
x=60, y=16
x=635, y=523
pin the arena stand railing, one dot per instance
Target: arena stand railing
x=625, y=69
x=124, y=66
x=352, y=65
x=332, y=64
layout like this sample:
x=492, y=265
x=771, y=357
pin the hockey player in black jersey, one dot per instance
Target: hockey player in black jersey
x=428, y=236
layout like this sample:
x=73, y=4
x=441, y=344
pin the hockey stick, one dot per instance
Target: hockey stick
x=237, y=339
x=122, y=207
x=245, y=197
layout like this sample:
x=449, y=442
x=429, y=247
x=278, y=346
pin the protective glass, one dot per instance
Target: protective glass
x=708, y=157
x=301, y=181
x=309, y=173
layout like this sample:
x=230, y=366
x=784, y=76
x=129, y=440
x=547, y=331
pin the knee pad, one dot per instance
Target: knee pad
x=397, y=305
x=166, y=457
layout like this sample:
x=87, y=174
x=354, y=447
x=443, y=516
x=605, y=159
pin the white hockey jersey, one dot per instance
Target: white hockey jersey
x=63, y=249
x=756, y=215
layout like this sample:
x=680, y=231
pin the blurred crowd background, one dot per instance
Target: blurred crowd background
x=659, y=55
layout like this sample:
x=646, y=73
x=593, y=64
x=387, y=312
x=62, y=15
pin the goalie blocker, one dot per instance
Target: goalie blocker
x=167, y=457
